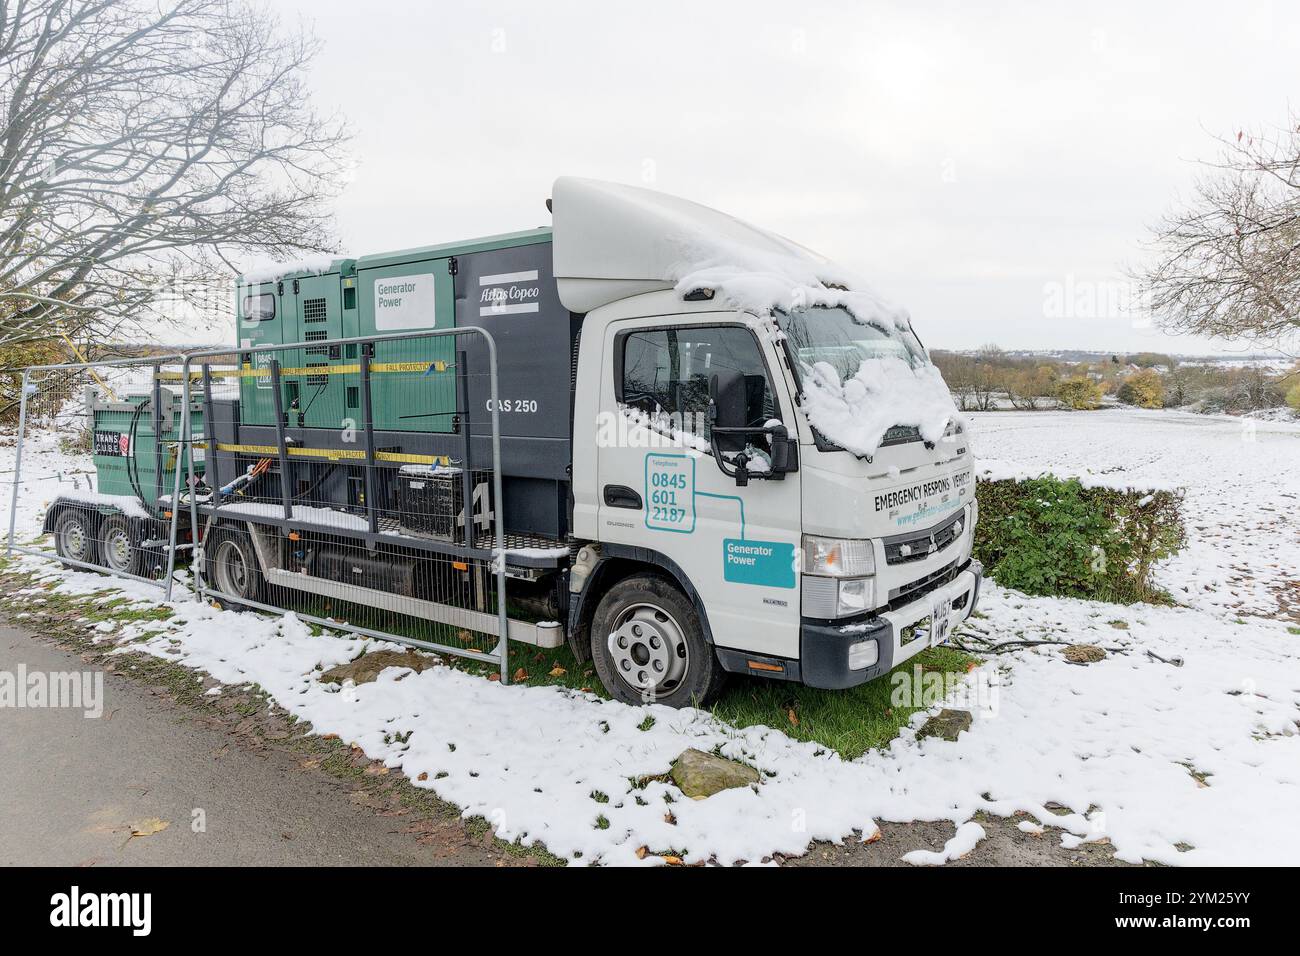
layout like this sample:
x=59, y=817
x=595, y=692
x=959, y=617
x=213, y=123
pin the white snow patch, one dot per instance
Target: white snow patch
x=962, y=842
x=326, y=517
x=885, y=392
x=268, y=270
x=129, y=505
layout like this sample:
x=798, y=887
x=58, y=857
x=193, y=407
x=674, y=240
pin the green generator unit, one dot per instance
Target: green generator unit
x=320, y=386
x=130, y=459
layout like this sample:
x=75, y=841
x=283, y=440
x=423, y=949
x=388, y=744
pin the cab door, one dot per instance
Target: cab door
x=660, y=487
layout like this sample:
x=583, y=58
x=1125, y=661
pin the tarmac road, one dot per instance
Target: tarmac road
x=73, y=788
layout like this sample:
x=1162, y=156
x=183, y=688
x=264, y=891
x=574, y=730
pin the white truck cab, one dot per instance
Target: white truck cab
x=722, y=531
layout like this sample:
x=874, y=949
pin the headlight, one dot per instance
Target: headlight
x=838, y=557
x=855, y=597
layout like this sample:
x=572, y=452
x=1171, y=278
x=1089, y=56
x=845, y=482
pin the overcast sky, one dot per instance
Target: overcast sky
x=993, y=170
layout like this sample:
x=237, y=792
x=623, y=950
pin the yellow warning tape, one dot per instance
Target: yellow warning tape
x=248, y=371
x=335, y=454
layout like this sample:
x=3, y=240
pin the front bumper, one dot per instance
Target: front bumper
x=824, y=647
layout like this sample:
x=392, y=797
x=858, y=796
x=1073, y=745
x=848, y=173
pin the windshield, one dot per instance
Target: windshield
x=836, y=336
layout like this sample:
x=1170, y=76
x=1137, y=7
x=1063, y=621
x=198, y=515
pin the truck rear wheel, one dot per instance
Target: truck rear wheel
x=230, y=566
x=117, y=551
x=648, y=646
x=73, y=538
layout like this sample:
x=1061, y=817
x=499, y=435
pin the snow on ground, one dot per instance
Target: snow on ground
x=47, y=472
x=1242, y=481
x=1195, y=762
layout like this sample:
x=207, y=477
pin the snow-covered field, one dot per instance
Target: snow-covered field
x=1196, y=763
x=1242, y=481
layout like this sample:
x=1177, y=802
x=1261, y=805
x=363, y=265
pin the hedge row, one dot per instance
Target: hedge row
x=1054, y=537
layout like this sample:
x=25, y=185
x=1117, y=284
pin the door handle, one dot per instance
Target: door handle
x=621, y=496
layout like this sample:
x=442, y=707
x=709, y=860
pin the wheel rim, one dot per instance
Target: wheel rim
x=117, y=549
x=232, y=569
x=76, y=543
x=649, y=650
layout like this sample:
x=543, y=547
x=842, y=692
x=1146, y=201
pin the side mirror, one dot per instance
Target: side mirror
x=731, y=432
x=727, y=399
x=782, y=450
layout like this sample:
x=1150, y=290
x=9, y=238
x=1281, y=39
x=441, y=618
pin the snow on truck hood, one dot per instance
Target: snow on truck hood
x=612, y=241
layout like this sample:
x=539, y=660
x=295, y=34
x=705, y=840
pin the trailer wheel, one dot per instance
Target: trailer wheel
x=73, y=538
x=648, y=646
x=117, y=551
x=230, y=566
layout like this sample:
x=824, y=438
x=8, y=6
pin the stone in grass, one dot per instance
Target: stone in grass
x=700, y=775
x=946, y=724
x=368, y=666
x=1083, y=653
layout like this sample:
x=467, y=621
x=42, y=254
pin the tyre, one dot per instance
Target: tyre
x=648, y=645
x=230, y=566
x=117, y=548
x=74, y=538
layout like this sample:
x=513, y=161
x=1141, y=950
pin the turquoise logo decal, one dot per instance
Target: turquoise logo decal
x=765, y=563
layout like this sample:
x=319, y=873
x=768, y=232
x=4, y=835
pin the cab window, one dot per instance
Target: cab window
x=667, y=370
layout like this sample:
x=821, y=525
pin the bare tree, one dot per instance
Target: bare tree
x=143, y=145
x=1228, y=264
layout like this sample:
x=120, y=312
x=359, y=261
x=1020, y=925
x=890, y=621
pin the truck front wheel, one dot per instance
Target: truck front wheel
x=648, y=646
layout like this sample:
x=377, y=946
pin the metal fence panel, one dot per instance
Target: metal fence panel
x=325, y=492
x=96, y=445
x=350, y=481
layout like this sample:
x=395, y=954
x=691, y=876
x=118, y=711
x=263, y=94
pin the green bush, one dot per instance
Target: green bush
x=1080, y=393
x=1045, y=536
x=1145, y=389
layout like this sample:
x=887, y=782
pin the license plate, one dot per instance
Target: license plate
x=940, y=620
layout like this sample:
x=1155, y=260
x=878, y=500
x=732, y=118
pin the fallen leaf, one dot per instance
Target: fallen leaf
x=641, y=852
x=669, y=818
x=521, y=675
x=792, y=717
x=330, y=737
x=375, y=770
x=874, y=837
x=311, y=763
x=557, y=671
x=494, y=676
x=149, y=826
x=424, y=775
x=673, y=860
